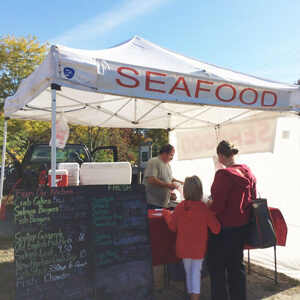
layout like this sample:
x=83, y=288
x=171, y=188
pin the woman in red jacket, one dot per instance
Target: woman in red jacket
x=232, y=191
x=190, y=219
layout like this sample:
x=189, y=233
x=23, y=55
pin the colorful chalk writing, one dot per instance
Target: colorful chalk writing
x=121, y=242
x=74, y=242
x=53, y=244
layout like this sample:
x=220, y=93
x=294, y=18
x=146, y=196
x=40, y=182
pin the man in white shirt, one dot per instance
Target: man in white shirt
x=158, y=178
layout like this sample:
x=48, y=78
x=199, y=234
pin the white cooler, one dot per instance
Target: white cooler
x=105, y=173
x=73, y=172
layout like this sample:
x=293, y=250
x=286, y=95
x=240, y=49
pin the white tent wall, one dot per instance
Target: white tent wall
x=277, y=180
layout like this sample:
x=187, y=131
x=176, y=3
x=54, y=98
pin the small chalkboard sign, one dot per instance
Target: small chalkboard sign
x=123, y=261
x=53, y=244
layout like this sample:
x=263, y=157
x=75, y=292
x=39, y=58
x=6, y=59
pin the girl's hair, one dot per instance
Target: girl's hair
x=227, y=148
x=192, y=188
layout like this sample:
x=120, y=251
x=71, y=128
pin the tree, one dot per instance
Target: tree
x=19, y=56
x=94, y=137
x=158, y=137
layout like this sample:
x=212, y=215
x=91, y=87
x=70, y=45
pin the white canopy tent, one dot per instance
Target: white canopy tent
x=138, y=84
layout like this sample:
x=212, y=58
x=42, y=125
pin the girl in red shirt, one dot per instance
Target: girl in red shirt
x=191, y=219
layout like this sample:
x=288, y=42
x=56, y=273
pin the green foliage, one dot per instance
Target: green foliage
x=127, y=140
x=94, y=137
x=19, y=56
x=158, y=137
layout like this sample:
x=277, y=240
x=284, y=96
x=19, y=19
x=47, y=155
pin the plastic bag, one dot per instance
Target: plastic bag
x=62, y=132
x=178, y=191
x=217, y=163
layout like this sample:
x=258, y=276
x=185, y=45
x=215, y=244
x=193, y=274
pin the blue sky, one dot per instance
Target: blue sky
x=259, y=37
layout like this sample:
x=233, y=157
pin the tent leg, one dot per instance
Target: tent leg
x=54, y=88
x=169, y=121
x=249, y=262
x=275, y=264
x=3, y=160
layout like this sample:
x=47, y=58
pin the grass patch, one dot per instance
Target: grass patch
x=7, y=269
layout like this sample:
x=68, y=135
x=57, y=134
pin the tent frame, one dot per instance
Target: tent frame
x=3, y=160
x=140, y=70
x=54, y=88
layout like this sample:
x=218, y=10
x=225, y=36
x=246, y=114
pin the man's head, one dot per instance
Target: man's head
x=166, y=153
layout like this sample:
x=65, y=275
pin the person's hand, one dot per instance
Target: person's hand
x=217, y=163
x=171, y=186
x=209, y=202
x=178, y=183
x=173, y=197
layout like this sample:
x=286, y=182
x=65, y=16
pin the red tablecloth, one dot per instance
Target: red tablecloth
x=280, y=226
x=163, y=240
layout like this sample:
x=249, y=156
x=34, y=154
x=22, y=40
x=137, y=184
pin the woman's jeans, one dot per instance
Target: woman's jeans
x=225, y=263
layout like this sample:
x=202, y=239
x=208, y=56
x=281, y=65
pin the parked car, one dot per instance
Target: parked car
x=37, y=159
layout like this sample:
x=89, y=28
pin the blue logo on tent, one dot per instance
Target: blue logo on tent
x=69, y=72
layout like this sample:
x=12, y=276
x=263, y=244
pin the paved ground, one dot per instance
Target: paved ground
x=258, y=287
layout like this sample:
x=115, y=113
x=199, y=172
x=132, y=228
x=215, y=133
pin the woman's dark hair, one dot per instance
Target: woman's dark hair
x=166, y=149
x=227, y=148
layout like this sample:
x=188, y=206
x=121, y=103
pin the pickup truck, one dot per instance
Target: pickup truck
x=25, y=174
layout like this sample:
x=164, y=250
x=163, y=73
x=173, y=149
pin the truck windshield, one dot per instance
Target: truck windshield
x=42, y=154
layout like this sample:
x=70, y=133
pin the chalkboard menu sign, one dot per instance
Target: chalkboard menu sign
x=85, y=243
x=123, y=265
x=53, y=244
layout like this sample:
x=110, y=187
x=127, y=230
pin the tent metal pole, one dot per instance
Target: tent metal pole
x=149, y=111
x=135, y=109
x=194, y=117
x=217, y=128
x=116, y=113
x=3, y=160
x=169, y=121
x=54, y=88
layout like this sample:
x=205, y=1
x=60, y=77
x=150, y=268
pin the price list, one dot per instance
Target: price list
x=122, y=254
x=53, y=244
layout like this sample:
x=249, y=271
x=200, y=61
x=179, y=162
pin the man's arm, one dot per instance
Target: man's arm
x=158, y=182
x=176, y=180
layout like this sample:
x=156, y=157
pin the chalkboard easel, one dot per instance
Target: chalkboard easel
x=123, y=261
x=85, y=242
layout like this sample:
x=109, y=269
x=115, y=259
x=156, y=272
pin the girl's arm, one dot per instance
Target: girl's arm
x=171, y=218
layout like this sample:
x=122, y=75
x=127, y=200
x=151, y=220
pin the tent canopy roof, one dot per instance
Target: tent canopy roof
x=157, y=89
